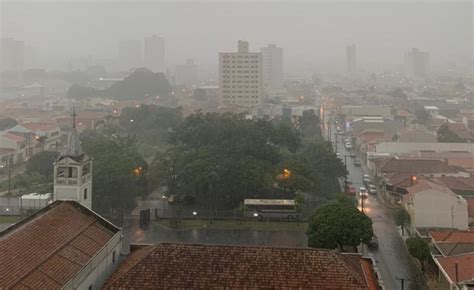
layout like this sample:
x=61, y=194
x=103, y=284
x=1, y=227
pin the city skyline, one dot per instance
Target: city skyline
x=380, y=39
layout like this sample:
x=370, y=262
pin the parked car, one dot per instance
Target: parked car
x=372, y=189
x=374, y=243
x=357, y=162
x=350, y=190
x=353, y=155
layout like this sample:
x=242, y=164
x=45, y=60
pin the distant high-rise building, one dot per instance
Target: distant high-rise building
x=130, y=54
x=240, y=77
x=416, y=62
x=186, y=74
x=154, y=53
x=13, y=54
x=272, y=67
x=351, y=58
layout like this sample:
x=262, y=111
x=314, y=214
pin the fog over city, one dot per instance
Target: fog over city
x=313, y=33
x=237, y=144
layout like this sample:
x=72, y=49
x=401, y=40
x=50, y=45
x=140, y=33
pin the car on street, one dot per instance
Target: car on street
x=363, y=192
x=357, y=162
x=353, y=155
x=374, y=243
x=350, y=190
x=367, y=179
x=348, y=146
x=372, y=189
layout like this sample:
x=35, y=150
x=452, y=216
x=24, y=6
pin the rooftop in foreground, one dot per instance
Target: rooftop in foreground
x=171, y=265
x=47, y=249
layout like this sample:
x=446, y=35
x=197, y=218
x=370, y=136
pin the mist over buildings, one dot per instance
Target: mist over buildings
x=313, y=35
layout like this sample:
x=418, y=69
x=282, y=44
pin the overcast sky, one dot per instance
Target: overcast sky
x=312, y=34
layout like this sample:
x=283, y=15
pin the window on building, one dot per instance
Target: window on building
x=72, y=172
x=90, y=287
x=113, y=257
x=61, y=172
x=85, y=193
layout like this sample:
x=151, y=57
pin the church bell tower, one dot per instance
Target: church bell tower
x=73, y=171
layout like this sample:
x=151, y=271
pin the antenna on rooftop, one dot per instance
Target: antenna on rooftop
x=73, y=116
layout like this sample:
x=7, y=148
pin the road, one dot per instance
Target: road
x=392, y=256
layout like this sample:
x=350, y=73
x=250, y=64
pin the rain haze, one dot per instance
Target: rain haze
x=236, y=144
x=313, y=34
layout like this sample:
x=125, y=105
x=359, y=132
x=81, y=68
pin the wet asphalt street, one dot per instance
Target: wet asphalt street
x=392, y=257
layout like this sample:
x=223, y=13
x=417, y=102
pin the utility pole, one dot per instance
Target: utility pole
x=402, y=281
x=9, y=173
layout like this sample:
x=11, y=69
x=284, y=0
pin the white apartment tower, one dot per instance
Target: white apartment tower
x=154, y=53
x=272, y=67
x=73, y=172
x=351, y=58
x=240, y=77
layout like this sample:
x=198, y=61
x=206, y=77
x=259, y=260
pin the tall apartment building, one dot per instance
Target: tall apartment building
x=130, y=54
x=240, y=77
x=351, y=58
x=13, y=54
x=154, y=53
x=186, y=74
x=416, y=62
x=272, y=67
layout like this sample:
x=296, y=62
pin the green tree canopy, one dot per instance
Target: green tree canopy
x=338, y=225
x=448, y=136
x=422, y=116
x=150, y=123
x=42, y=163
x=119, y=175
x=402, y=218
x=419, y=249
x=7, y=123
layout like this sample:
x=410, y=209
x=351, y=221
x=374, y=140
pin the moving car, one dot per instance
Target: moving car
x=372, y=189
x=348, y=146
x=367, y=179
x=363, y=192
x=356, y=162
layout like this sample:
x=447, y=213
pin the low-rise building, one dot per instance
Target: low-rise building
x=453, y=254
x=190, y=266
x=432, y=205
x=65, y=245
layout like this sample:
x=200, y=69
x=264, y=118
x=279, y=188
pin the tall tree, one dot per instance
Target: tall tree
x=419, y=249
x=42, y=163
x=402, y=218
x=338, y=225
x=7, y=123
x=448, y=136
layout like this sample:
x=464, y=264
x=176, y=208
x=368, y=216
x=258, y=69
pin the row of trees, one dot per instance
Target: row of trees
x=225, y=158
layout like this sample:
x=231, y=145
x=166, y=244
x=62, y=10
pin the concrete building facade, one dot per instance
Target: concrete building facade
x=351, y=58
x=272, y=67
x=240, y=77
x=154, y=53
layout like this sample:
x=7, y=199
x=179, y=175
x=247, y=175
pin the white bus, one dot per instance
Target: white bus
x=270, y=208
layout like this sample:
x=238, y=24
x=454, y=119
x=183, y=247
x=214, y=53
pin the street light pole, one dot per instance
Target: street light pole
x=9, y=173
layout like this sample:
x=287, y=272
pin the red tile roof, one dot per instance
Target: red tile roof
x=47, y=249
x=458, y=183
x=465, y=267
x=210, y=266
x=452, y=236
x=415, y=165
x=422, y=184
x=470, y=206
x=14, y=137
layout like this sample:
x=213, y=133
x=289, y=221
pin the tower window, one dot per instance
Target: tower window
x=85, y=193
x=113, y=257
x=72, y=172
